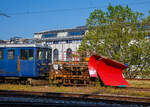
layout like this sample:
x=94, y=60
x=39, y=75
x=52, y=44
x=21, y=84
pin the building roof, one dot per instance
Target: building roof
x=60, y=38
x=22, y=45
x=79, y=28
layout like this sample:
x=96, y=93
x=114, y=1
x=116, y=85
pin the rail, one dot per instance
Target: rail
x=74, y=96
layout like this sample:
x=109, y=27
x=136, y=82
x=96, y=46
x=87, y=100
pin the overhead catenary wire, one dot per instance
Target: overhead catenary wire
x=70, y=9
x=3, y=14
x=48, y=11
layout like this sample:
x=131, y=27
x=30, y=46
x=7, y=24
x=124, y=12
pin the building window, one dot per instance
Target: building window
x=50, y=43
x=68, y=41
x=49, y=35
x=79, y=41
x=147, y=37
x=55, y=54
x=1, y=54
x=11, y=54
x=56, y=42
x=146, y=27
x=76, y=33
x=68, y=54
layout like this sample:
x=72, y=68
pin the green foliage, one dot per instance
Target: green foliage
x=119, y=34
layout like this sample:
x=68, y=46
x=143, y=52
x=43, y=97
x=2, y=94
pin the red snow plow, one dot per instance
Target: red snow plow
x=109, y=71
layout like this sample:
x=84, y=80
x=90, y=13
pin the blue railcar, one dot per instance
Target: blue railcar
x=24, y=60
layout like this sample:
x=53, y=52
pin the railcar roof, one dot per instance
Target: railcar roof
x=23, y=45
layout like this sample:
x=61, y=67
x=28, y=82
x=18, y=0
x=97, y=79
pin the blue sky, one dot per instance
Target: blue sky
x=30, y=16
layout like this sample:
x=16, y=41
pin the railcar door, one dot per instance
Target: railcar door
x=48, y=58
x=39, y=60
x=2, y=63
x=10, y=58
x=48, y=55
x=27, y=62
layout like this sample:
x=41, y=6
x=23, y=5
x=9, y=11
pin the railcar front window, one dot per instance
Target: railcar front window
x=11, y=54
x=1, y=54
x=24, y=54
x=30, y=54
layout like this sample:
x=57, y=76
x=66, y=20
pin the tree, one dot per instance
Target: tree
x=119, y=34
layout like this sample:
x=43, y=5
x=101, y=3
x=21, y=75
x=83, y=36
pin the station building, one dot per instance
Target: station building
x=63, y=42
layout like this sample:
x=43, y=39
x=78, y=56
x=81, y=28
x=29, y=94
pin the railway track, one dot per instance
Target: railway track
x=55, y=99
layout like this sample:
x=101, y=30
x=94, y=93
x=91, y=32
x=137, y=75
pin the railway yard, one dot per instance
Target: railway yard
x=102, y=62
x=95, y=81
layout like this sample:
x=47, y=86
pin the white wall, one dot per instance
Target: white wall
x=62, y=48
x=38, y=36
x=62, y=34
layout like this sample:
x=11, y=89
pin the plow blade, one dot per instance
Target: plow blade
x=109, y=71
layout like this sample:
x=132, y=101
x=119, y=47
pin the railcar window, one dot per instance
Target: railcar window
x=50, y=55
x=30, y=54
x=40, y=54
x=11, y=54
x=24, y=54
x=55, y=54
x=1, y=54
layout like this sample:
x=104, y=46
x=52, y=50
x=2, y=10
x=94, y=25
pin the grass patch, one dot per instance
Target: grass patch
x=139, y=83
x=85, y=90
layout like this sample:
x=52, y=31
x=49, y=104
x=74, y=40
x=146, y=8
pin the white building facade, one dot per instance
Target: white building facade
x=63, y=42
